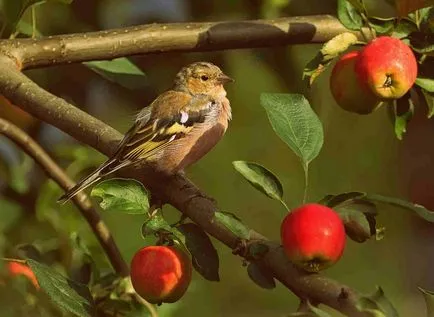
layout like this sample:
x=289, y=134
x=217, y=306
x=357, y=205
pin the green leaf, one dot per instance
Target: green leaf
x=420, y=210
x=404, y=28
x=122, y=195
x=260, y=178
x=13, y=10
x=156, y=224
x=382, y=26
x=260, y=276
x=121, y=71
x=358, y=215
x=425, y=83
x=429, y=301
x=429, y=99
x=359, y=219
x=204, y=256
x=334, y=200
x=294, y=121
x=377, y=304
x=68, y=295
x=27, y=29
x=233, y=224
x=349, y=16
x=403, y=112
x=337, y=45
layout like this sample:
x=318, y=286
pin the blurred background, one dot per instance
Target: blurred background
x=360, y=153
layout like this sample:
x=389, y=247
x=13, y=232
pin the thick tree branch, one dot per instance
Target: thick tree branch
x=28, y=145
x=183, y=37
x=178, y=191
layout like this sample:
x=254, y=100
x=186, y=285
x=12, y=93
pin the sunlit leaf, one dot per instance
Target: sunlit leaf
x=121, y=71
x=425, y=83
x=233, y=224
x=328, y=52
x=260, y=178
x=349, y=16
x=204, y=256
x=68, y=295
x=429, y=301
x=262, y=277
x=122, y=195
x=294, y=121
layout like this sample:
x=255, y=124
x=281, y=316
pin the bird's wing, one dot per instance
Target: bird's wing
x=174, y=114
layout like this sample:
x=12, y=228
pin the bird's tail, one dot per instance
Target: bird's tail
x=105, y=169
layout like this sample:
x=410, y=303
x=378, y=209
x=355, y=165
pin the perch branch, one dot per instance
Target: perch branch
x=172, y=37
x=28, y=145
x=177, y=191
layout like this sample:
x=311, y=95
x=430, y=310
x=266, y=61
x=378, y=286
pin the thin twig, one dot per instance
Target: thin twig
x=28, y=145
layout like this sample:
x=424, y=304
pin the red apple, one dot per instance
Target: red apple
x=313, y=237
x=349, y=93
x=161, y=273
x=17, y=268
x=388, y=66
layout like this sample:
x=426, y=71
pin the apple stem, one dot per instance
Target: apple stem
x=284, y=204
x=306, y=181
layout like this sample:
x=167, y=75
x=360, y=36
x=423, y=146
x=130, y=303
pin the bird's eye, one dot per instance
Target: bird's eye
x=204, y=78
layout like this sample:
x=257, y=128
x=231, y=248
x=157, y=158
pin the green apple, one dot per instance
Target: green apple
x=388, y=66
x=350, y=93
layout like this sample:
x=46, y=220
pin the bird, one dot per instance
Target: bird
x=176, y=130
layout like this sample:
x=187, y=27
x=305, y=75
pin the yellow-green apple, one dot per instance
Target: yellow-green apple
x=161, y=273
x=349, y=93
x=313, y=237
x=388, y=66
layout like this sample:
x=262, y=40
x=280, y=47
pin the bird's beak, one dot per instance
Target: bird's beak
x=224, y=79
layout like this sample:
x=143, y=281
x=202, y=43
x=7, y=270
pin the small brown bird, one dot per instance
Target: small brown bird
x=179, y=127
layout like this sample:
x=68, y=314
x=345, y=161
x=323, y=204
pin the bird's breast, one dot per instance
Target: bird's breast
x=199, y=141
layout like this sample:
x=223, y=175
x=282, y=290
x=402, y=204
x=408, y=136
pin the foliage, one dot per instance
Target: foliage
x=71, y=270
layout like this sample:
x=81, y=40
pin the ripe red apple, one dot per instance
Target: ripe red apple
x=161, y=273
x=17, y=268
x=351, y=94
x=313, y=237
x=388, y=66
